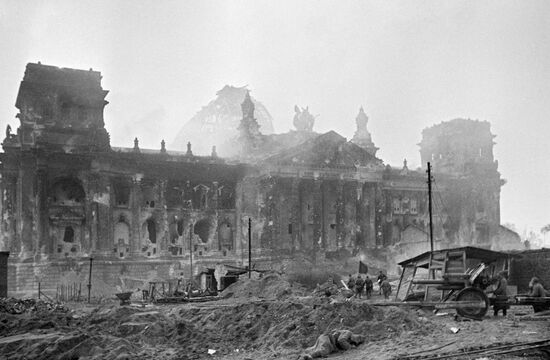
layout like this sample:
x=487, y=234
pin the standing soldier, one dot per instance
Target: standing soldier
x=381, y=277
x=359, y=283
x=386, y=288
x=501, y=295
x=368, y=287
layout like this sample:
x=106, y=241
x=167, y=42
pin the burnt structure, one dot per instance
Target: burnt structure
x=69, y=195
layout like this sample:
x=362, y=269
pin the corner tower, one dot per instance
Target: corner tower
x=60, y=109
x=461, y=151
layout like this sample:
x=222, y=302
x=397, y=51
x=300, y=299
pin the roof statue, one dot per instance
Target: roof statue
x=362, y=136
x=303, y=120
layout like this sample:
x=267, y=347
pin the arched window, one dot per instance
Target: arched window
x=202, y=228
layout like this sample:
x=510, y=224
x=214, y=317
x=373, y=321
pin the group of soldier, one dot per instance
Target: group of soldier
x=366, y=287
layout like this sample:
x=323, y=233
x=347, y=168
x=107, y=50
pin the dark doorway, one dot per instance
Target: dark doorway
x=152, y=230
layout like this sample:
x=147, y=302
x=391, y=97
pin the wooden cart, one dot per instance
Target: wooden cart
x=458, y=276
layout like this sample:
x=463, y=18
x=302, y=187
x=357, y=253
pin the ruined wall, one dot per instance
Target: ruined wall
x=461, y=155
x=67, y=195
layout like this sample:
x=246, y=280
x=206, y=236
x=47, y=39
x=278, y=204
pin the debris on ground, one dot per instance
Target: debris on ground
x=271, y=285
x=19, y=306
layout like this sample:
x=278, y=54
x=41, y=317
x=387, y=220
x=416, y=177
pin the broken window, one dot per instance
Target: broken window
x=225, y=236
x=122, y=189
x=68, y=191
x=179, y=226
x=202, y=229
x=203, y=200
x=148, y=193
x=227, y=200
x=290, y=228
x=122, y=238
x=152, y=230
x=68, y=236
x=396, y=206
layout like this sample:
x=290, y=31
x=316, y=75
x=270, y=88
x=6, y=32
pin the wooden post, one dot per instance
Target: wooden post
x=431, y=219
x=191, y=252
x=39, y=290
x=249, y=247
x=90, y=280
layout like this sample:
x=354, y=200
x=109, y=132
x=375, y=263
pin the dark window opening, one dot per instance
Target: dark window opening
x=333, y=226
x=154, y=250
x=179, y=227
x=121, y=254
x=60, y=249
x=122, y=192
x=152, y=204
x=202, y=229
x=148, y=254
x=115, y=250
x=203, y=200
x=69, y=234
x=68, y=191
x=152, y=230
x=290, y=228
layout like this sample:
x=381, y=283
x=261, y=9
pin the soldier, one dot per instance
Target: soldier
x=368, y=287
x=359, y=284
x=381, y=277
x=501, y=295
x=537, y=290
x=386, y=288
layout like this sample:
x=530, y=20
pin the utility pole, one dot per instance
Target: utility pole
x=90, y=280
x=191, y=251
x=429, y=171
x=430, y=206
x=249, y=247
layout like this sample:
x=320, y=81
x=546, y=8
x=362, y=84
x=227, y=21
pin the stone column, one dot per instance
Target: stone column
x=370, y=199
x=317, y=215
x=135, y=229
x=44, y=246
x=214, y=205
x=340, y=214
x=164, y=240
x=296, y=215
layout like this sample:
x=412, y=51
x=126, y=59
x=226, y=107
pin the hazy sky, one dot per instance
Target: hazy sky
x=411, y=64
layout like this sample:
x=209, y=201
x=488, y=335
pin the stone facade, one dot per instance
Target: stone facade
x=67, y=195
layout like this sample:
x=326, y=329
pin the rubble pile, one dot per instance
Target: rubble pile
x=270, y=286
x=184, y=331
x=20, y=306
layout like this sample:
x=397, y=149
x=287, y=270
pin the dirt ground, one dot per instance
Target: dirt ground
x=256, y=319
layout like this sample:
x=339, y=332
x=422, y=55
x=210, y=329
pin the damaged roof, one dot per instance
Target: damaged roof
x=326, y=150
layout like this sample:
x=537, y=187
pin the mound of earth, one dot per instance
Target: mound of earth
x=269, y=286
x=189, y=331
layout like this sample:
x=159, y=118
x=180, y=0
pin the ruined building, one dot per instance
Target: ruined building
x=67, y=195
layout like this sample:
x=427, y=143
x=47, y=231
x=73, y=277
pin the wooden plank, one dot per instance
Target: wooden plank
x=436, y=304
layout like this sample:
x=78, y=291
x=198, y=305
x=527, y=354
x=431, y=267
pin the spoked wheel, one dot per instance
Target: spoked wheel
x=473, y=296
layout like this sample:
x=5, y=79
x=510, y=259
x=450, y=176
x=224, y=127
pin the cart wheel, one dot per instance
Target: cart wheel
x=473, y=295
